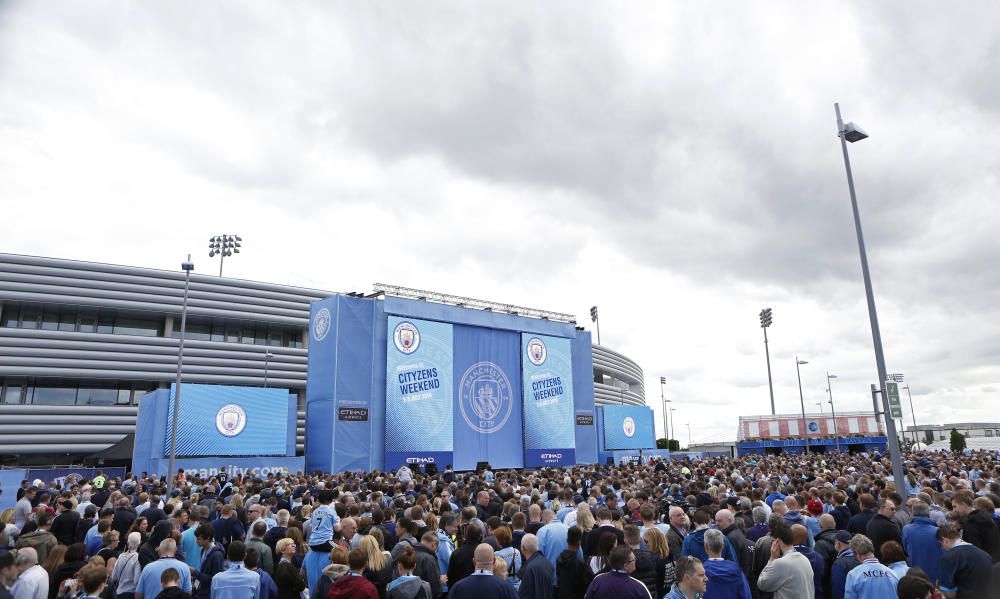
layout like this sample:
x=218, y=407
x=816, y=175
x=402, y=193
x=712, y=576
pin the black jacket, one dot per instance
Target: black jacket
x=592, y=539
x=64, y=527
x=63, y=572
x=573, y=576
x=461, y=563
x=427, y=568
x=645, y=569
x=858, y=523
x=82, y=526
x=288, y=580
x=880, y=530
x=842, y=516
x=124, y=517
x=978, y=528
x=173, y=593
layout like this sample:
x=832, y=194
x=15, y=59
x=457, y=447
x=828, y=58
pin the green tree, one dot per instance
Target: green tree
x=957, y=441
x=661, y=443
x=675, y=445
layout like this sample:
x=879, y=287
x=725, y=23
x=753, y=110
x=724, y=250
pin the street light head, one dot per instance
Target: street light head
x=853, y=133
x=803, y=362
x=831, y=376
x=663, y=380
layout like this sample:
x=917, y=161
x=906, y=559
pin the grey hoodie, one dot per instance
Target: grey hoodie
x=330, y=575
x=411, y=588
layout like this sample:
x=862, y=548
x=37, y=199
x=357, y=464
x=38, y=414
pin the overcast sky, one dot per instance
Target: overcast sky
x=675, y=164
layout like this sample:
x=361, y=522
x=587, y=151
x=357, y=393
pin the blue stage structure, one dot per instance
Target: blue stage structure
x=398, y=380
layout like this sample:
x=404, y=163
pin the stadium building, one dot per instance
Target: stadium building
x=80, y=342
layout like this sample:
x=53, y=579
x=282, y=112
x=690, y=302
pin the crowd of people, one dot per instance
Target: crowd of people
x=831, y=526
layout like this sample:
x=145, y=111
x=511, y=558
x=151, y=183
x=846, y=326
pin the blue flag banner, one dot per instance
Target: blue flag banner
x=547, y=374
x=418, y=393
x=487, y=398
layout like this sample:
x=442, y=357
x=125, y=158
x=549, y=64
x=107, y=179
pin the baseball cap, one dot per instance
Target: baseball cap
x=844, y=536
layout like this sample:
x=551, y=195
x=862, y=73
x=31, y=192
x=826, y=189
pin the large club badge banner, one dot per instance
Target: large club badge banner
x=547, y=366
x=487, y=398
x=419, y=420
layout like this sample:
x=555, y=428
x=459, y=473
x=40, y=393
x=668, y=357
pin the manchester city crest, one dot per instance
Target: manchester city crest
x=628, y=427
x=230, y=420
x=537, y=351
x=321, y=324
x=406, y=337
x=485, y=397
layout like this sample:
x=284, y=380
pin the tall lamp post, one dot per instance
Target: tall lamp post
x=912, y=414
x=833, y=414
x=802, y=401
x=267, y=358
x=224, y=246
x=596, y=321
x=187, y=267
x=666, y=418
x=849, y=132
x=765, y=321
x=689, y=435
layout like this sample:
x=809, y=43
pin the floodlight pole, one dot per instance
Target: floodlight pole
x=663, y=400
x=912, y=414
x=898, y=473
x=187, y=267
x=767, y=353
x=805, y=431
x=833, y=414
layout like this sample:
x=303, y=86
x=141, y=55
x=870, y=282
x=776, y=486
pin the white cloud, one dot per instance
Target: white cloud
x=674, y=164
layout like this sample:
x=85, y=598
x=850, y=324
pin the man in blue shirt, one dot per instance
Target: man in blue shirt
x=870, y=579
x=236, y=582
x=920, y=541
x=148, y=586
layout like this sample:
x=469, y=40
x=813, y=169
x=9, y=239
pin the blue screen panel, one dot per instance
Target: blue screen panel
x=223, y=420
x=628, y=427
x=418, y=392
x=547, y=372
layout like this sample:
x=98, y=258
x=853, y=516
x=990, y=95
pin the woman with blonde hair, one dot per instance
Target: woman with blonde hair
x=656, y=541
x=499, y=567
x=8, y=530
x=585, y=518
x=379, y=570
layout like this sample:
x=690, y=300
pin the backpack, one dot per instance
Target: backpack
x=512, y=576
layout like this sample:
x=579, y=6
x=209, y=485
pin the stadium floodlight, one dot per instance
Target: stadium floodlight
x=765, y=321
x=470, y=302
x=833, y=413
x=849, y=132
x=666, y=413
x=805, y=431
x=187, y=267
x=596, y=321
x=224, y=246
